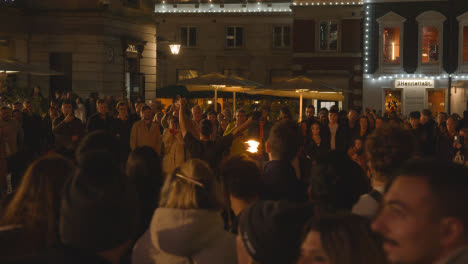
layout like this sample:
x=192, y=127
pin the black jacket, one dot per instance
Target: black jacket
x=342, y=142
x=95, y=122
x=280, y=183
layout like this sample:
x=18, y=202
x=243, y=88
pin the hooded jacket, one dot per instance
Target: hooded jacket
x=185, y=236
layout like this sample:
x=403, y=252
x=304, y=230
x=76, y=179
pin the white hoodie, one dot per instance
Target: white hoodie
x=179, y=236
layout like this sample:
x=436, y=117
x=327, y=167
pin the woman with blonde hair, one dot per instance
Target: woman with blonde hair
x=340, y=239
x=187, y=227
x=29, y=221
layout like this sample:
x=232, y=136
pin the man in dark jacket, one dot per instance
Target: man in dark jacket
x=67, y=129
x=279, y=176
x=430, y=133
x=335, y=133
x=101, y=120
x=32, y=127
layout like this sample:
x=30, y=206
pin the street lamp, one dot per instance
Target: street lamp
x=175, y=48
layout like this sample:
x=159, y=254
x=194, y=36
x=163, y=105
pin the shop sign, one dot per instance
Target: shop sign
x=408, y=83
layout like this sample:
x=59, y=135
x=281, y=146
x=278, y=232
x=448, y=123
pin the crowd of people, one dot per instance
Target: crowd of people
x=106, y=181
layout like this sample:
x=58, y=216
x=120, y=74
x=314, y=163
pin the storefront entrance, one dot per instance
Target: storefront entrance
x=392, y=100
x=436, y=101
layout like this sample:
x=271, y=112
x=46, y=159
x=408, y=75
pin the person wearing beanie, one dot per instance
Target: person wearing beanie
x=270, y=232
x=99, y=213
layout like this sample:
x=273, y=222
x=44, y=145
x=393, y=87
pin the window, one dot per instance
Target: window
x=391, y=45
x=282, y=36
x=328, y=35
x=430, y=45
x=186, y=74
x=188, y=36
x=234, y=37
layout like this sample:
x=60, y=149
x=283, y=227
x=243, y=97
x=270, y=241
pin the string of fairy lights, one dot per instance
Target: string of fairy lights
x=242, y=7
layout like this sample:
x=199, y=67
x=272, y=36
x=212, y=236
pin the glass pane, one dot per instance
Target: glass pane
x=193, y=37
x=230, y=42
x=333, y=41
x=430, y=45
x=391, y=45
x=287, y=36
x=230, y=31
x=183, y=36
x=324, y=35
x=465, y=44
x=239, y=37
x=277, y=37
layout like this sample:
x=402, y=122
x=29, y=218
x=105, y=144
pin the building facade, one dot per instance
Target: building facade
x=105, y=46
x=416, y=55
x=246, y=39
x=327, y=46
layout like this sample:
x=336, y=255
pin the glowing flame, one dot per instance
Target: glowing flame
x=253, y=146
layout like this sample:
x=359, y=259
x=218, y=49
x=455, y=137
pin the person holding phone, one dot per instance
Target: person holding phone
x=67, y=129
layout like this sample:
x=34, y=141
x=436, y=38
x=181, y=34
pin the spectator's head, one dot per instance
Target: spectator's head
x=336, y=183
x=340, y=239
x=241, y=116
x=78, y=101
x=99, y=209
x=146, y=113
x=192, y=186
x=211, y=115
x=241, y=179
x=358, y=144
x=283, y=141
x=443, y=128
x=315, y=129
x=392, y=115
x=206, y=128
x=36, y=203
x=54, y=103
x=17, y=115
x=224, y=124
x=227, y=114
x=333, y=116
x=122, y=109
x=310, y=111
x=197, y=113
x=5, y=113
x=220, y=117
x=352, y=116
x=101, y=106
x=441, y=117
x=285, y=114
x=304, y=127
x=451, y=125
x=424, y=217
x=379, y=122
x=67, y=107
x=364, y=123
x=323, y=117
x=270, y=232
x=386, y=149
x=27, y=105
x=414, y=118
x=426, y=115
x=173, y=122
x=17, y=106
x=97, y=141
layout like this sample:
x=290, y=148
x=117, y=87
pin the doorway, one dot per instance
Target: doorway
x=60, y=62
x=436, y=101
x=326, y=104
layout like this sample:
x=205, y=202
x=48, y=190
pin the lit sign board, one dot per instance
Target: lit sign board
x=407, y=83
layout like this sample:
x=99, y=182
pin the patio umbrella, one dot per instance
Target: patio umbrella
x=302, y=86
x=14, y=66
x=172, y=91
x=217, y=82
